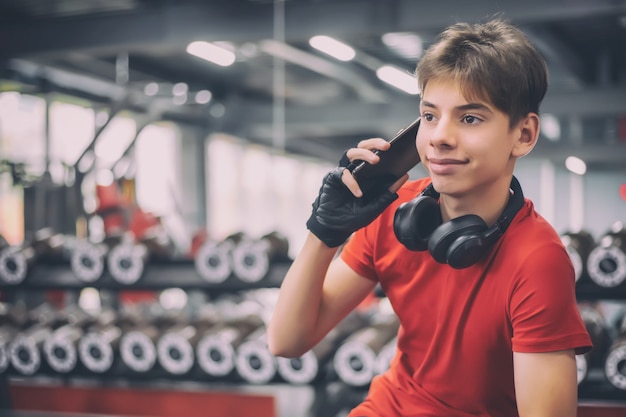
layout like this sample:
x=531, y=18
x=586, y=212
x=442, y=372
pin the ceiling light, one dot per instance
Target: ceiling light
x=332, y=47
x=398, y=78
x=151, y=89
x=576, y=165
x=203, y=96
x=179, y=89
x=406, y=44
x=212, y=53
x=550, y=127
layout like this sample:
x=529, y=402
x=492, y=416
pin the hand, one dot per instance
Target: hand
x=340, y=208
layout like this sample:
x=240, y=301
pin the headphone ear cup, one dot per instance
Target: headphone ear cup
x=444, y=236
x=415, y=221
x=466, y=251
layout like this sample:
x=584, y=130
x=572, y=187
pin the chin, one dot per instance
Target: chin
x=447, y=185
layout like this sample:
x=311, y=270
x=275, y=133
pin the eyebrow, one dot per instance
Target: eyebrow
x=464, y=107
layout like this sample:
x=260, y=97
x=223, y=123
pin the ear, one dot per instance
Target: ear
x=527, y=131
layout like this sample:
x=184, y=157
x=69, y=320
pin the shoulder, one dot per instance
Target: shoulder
x=534, y=249
x=412, y=189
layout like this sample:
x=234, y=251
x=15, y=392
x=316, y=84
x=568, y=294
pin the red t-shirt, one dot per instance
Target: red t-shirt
x=459, y=328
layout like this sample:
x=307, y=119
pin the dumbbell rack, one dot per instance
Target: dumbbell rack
x=189, y=389
x=55, y=392
x=596, y=396
x=159, y=275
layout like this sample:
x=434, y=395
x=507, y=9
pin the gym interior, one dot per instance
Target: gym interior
x=158, y=161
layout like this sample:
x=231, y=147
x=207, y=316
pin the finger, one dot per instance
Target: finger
x=396, y=185
x=351, y=183
x=365, y=150
x=373, y=143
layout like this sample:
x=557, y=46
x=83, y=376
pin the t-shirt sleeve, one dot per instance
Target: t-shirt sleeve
x=543, y=309
x=357, y=253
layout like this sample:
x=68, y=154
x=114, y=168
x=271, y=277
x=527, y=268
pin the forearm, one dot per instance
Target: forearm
x=294, y=324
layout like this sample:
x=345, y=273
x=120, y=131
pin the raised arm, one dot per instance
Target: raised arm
x=316, y=294
x=319, y=288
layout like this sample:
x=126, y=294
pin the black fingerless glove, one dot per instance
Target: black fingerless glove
x=337, y=213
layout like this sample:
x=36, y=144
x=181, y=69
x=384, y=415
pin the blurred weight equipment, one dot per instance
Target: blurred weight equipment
x=213, y=260
x=88, y=259
x=216, y=349
x=252, y=258
x=127, y=261
x=253, y=360
x=615, y=363
x=8, y=330
x=607, y=261
x=598, y=330
x=98, y=349
x=7, y=334
x=355, y=359
x=26, y=348
x=385, y=356
x=138, y=344
x=309, y=367
x=578, y=245
x=16, y=261
x=61, y=349
x=176, y=347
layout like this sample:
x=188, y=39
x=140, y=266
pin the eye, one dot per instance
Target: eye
x=427, y=117
x=469, y=119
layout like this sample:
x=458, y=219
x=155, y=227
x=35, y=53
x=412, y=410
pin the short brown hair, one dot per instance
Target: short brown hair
x=493, y=61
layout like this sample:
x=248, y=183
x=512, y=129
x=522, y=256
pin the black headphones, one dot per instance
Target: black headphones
x=462, y=241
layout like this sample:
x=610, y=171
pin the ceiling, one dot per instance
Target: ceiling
x=283, y=93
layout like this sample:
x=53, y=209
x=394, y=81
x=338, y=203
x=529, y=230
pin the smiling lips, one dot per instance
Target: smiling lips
x=444, y=165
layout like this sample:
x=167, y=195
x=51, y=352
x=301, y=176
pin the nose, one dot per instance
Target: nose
x=443, y=134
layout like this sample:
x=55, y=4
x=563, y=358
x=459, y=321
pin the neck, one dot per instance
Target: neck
x=487, y=201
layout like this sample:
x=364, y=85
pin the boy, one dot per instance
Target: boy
x=482, y=286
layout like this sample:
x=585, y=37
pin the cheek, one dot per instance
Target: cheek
x=421, y=142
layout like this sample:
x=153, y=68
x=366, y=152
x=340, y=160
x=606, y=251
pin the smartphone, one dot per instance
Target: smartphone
x=394, y=162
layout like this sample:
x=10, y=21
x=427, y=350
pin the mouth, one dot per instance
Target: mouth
x=446, y=161
x=444, y=166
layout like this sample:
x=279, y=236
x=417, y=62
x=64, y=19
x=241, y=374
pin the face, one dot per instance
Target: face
x=466, y=146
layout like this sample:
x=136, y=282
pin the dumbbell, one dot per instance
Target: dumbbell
x=310, y=366
x=252, y=258
x=615, y=363
x=61, y=349
x=138, y=348
x=128, y=260
x=7, y=334
x=355, y=359
x=598, y=330
x=17, y=261
x=606, y=263
x=254, y=362
x=216, y=349
x=88, y=259
x=138, y=344
x=98, y=347
x=26, y=348
x=578, y=246
x=213, y=260
x=176, y=347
